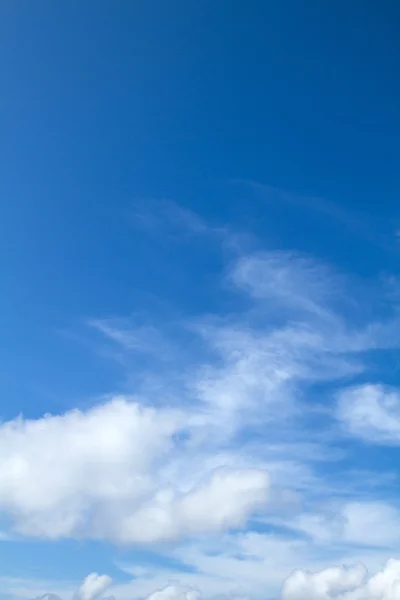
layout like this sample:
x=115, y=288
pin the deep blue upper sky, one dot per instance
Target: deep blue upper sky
x=171, y=95
x=104, y=105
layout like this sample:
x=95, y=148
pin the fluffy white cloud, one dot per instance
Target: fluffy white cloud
x=179, y=592
x=225, y=499
x=175, y=592
x=344, y=583
x=329, y=583
x=100, y=474
x=56, y=470
x=371, y=412
x=93, y=586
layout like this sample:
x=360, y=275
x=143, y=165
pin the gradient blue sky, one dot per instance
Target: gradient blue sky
x=190, y=190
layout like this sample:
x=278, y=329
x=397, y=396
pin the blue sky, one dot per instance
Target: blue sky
x=200, y=308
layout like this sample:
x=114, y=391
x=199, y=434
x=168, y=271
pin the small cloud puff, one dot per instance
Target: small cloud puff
x=175, y=592
x=92, y=586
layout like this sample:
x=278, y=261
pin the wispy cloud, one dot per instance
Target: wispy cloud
x=359, y=523
x=371, y=412
x=136, y=338
x=373, y=229
x=169, y=218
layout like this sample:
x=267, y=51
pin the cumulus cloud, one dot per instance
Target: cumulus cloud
x=224, y=500
x=344, y=583
x=180, y=592
x=99, y=474
x=175, y=592
x=53, y=470
x=333, y=582
x=93, y=586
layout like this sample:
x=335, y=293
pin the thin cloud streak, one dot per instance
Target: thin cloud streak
x=374, y=229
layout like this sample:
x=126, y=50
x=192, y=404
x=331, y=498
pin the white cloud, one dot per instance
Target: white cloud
x=292, y=336
x=360, y=523
x=371, y=412
x=296, y=282
x=55, y=470
x=225, y=500
x=99, y=474
x=333, y=582
x=175, y=592
x=142, y=338
x=172, y=220
x=372, y=523
x=344, y=583
x=179, y=592
x=93, y=586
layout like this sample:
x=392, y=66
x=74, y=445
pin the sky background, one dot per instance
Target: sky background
x=199, y=254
